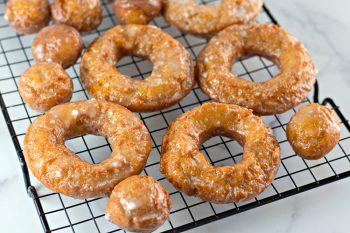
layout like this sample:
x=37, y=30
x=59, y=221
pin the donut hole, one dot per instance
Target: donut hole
x=222, y=151
x=255, y=68
x=90, y=148
x=135, y=67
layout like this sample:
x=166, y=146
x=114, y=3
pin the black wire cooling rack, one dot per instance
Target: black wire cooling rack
x=59, y=213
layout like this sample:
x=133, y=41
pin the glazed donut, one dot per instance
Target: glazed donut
x=283, y=92
x=45, y=85
x=57, y=43
x=171, y=80
x=138, y=204
x=60, y=170
x=313, y=131
x=206, y=21
x=27, y=16
x=188, y=170
x=84, y=15
x=137, y=11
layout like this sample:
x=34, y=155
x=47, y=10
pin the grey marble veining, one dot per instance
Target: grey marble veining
x=324, y=28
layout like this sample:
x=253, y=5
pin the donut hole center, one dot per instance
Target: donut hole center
x=90, y=148
x=255, y=68
x=135, y=67
x=222, y=151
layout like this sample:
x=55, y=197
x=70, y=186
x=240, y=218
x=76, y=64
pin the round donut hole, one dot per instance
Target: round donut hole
x=135, y=67
x=89, y=148
x=255, y=68
x=222, y=151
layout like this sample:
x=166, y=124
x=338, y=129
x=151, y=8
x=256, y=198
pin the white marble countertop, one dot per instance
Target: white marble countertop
x=324, y=28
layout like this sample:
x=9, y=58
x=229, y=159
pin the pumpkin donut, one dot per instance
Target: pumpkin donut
x=28, y=16
x=45, y=85
x=277, y=95
x=137, y=11
x=57, y=43
x=171, y=80
x=313, y=131
x=206, y=21
x=60, y=170
x=188, y=170
x=138, y=204
x=84, y=15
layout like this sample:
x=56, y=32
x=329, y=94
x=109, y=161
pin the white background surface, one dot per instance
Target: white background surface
x=324, y=28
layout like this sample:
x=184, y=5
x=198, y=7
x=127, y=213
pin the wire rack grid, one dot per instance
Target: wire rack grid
x=59, y=213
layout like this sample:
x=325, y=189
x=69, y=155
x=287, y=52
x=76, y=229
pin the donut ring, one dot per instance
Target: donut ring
x=206, y=21
x=188, y=170
x=171, y=79
x=45, y=85
x=62, y=171
x=138, y=204
x=27, y=16
x=137, y=11
x=57, y=43
x=84, y=15
x=277, y=95
x=313, y=131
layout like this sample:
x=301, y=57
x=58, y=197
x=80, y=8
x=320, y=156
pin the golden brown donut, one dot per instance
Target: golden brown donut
x=60, y=170
x=277, y=95
x=189, y=171
x=138, y=204
x=137, y=11
x=59, y=43
x=206, y=21
x=313, y=131
x=171, y=80
x=45, y=85
x=27, y=16
x=84, y=15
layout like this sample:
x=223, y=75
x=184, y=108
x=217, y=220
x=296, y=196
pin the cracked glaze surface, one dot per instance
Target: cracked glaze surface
x=202, y=20
x=27, y=16
x=313, y=131
x=188, y=169
x=59, y=169
x=313, y=22
x=277, y=95
x=139, y=204
x=84, y=15
x=57, y=43
x=45, y=85
x=137, y=11
x=171, y=80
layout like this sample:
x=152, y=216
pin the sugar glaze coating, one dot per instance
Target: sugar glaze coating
x=171, y=80
x=137, y=11
x=60, y=170
x=189, y=171
x=207, y=20
x=28, y=16
x=138, y=204
x=57, y=43
x=313, y=131
x=277, y=95
x=45, y=85
x=84, y=15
